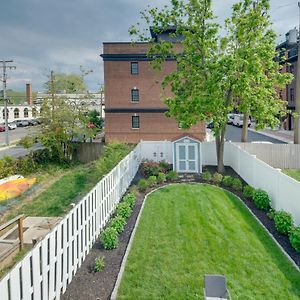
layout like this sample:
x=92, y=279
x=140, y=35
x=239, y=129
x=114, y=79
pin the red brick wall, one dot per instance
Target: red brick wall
x=153, y=127
x=119, y=82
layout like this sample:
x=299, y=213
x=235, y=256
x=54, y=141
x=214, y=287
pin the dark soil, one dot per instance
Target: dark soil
x=88, y=285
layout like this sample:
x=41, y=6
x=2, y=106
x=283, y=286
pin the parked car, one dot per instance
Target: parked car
x=12, y=126
x=22, y=123
x=2, y=128
x=210, y=125
x=239, y=119
x=230, y=118
x=33, y=122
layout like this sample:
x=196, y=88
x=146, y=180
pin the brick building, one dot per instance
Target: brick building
x=133, y=96
x=289, y=49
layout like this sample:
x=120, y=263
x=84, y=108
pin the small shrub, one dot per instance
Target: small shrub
x=237, y=184
x=99, y=264
x=142, y=185
x=130, y=198
x=150, y=168
x=271, y=214
x=123, y=210
x=118, y=223
x=248, y=191
x=294, y=237
x=217, y=178
x=283, y=222
x=206, y=176
x=261, y=199
x=152, y=181
x=227, y=181
x=109, y=238
x=172, y=175
x=164, y=167
x=161, y=177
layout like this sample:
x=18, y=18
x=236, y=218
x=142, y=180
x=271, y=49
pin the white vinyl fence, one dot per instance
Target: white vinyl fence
x=283, y=190
x=48, y=268
x=283, y=156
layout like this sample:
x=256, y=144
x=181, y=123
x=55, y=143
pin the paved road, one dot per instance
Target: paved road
x=234, y=134
x=17, y=151
x=18, y=133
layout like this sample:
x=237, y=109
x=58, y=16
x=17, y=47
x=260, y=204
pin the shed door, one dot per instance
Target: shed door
x=187, y=158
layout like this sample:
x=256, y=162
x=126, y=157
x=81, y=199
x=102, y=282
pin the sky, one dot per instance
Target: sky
x=62, y=35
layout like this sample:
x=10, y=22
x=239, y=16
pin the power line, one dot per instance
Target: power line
x=4, y=66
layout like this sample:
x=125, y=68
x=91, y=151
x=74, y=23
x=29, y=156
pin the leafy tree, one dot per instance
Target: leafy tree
x=71, y=83
x=251, y=45
x=63, y=122
x=216, y=75
x=94, y=118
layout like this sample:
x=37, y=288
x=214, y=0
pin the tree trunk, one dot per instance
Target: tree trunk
x=245, y=128
x=220, y=143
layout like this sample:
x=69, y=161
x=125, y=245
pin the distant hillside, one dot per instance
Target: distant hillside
x=17, y=97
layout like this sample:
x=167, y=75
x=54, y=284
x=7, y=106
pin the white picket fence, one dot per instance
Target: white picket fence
x=49, y=267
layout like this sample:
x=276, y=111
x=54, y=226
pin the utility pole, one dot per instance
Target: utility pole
x=4, y=66
x=297, y=104
x=52, y=93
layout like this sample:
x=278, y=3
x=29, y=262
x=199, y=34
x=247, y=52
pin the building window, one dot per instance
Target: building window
x=3, y=113
x=34, y=112
x=135, y=122
x=135, y=95
x=134, y=68
x=16, y=113
x=292, y=95
x=25, y=112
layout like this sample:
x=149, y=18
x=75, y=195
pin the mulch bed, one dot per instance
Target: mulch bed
x=88, y=285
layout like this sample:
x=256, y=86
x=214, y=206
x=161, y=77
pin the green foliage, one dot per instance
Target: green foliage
x=227, y=181
x=271, y=213
x=113, y=153
x=294, y=237
x=152, y=181
x=150, y=168
x=130, y=198
x=164, y=166
x=206, y=176
x=237, y=184
x=109, y=238
x=94, y=118
x=217, y=178
x=261, y=199
x=161, y=177
x=118, y=223
x=283, y=221
x=172, y=175
x=27, y=141
x=143, y=185
x=99, y=264
x=124, y=210
x=248, y=191
x=218, y=72
x=69, y=83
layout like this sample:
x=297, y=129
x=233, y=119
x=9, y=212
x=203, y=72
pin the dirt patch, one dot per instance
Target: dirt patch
x=88, y=285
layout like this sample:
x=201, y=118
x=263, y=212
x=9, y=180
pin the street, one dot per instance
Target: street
x=17, y=134
x=234, y=134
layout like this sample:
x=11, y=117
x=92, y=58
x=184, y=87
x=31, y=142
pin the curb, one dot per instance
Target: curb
x=274, y=136
x=124, y=260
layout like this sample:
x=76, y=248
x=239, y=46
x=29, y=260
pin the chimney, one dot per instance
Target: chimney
x=29, y=93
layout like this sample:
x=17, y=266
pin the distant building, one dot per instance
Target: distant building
x=289, y=49
x=93, y=101
x=134, y=108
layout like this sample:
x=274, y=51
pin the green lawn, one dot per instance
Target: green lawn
x=295, y=173
x=187, y=231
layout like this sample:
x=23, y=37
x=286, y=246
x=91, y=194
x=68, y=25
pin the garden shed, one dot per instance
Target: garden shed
x=187, y=156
